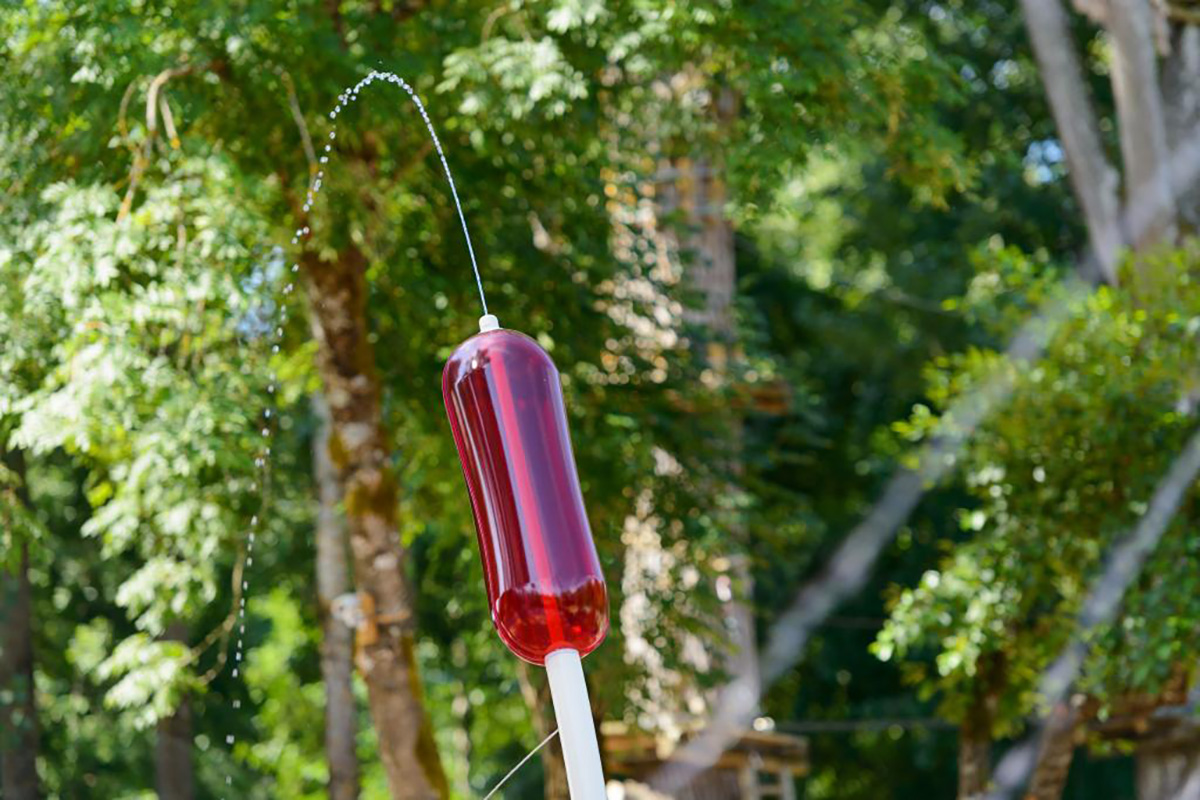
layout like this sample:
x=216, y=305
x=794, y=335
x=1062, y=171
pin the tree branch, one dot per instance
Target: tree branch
x=141, y=157
x=1143, y=129
x=1092, y=177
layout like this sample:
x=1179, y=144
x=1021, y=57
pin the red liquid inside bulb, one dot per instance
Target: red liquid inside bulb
x=543, y=577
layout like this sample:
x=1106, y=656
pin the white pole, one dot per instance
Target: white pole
x=575, y=728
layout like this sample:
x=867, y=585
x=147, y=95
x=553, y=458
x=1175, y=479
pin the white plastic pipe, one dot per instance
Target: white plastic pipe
x=575, y=729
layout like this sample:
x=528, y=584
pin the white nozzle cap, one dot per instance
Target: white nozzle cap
x=488, y=322
x=585, y=778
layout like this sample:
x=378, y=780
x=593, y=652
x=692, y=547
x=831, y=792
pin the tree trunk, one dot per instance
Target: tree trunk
x=337, y=642
x=1143, y=131
x=974, y=761
x=1181, y=105
x=975, y=752
x=699, y=190
x=1057, y=751
x=975, y=735
x=1170, y=770
x=18, y=713
x=173, y=774
x=360, y=450
x=536, y=691
x=1092, y=177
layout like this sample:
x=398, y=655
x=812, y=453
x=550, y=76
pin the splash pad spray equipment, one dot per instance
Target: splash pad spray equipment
x=544, y=585
x=545, y=588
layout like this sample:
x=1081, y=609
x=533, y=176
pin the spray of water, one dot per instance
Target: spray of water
x=262, y=462
x=344, y=100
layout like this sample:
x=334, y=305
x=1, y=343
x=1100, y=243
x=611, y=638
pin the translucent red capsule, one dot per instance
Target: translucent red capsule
x=504, y=399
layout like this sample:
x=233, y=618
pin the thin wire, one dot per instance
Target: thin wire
x=520, y=764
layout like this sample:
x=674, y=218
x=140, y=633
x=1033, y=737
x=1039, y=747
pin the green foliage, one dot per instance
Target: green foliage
x=1064, y=468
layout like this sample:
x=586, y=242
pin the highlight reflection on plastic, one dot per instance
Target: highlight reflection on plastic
x=543, y=577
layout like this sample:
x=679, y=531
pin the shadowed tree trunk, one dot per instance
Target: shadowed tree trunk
x=173, y=774
x=360, y=450
x=974, y=760
x=337, y=642
x=18, y=714
x=975, y=751
x=1058, y=750
x=975, y=733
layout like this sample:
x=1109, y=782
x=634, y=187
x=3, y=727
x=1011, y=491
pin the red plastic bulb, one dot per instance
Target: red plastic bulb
x=543, y=577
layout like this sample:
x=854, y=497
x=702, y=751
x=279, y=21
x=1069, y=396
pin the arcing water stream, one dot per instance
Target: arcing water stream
x=345, y=99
